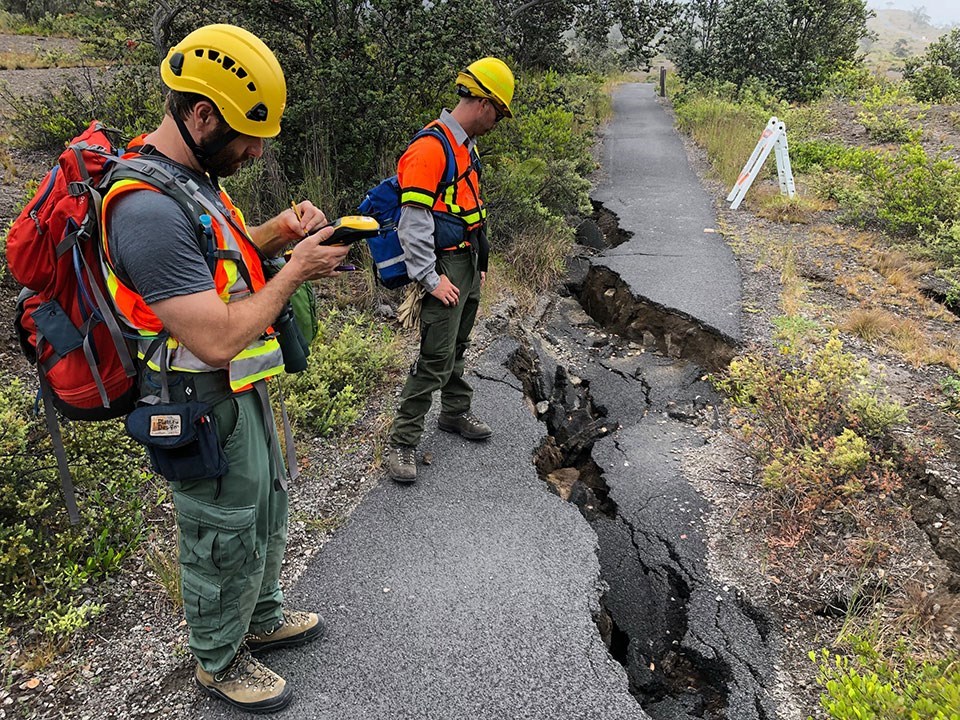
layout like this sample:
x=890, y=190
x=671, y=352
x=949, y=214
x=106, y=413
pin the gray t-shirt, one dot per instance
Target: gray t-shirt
x=154, y=246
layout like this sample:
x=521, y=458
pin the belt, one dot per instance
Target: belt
x=210, y=387
x=460, y=249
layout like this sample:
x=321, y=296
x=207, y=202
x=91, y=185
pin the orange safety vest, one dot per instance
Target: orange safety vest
x=262, y=358
x=420, y=171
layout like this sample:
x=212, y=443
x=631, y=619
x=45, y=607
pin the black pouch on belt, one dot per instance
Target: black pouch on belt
x=181, y=439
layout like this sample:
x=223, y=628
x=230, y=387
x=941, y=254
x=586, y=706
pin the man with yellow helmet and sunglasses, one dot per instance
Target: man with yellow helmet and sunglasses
x=443, y=232
x=204, y=315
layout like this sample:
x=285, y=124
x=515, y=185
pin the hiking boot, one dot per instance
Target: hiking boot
x=402, y=463
x=246, y=683
x=466, y=424
x=295, y=628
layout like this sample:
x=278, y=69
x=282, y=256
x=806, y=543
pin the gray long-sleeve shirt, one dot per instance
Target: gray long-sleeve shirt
x=415, y=228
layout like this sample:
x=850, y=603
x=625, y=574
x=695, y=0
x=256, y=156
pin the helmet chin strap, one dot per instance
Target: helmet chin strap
x=205, y=151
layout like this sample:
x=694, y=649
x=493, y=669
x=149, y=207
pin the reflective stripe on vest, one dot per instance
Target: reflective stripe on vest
x=462, y=199
x=261, y=359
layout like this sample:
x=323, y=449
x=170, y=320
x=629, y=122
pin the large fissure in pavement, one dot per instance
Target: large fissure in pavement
x=692, y=647
x=609, y=301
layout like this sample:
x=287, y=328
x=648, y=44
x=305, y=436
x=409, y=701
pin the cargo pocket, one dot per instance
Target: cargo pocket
x=216, y=541
x=201, y=602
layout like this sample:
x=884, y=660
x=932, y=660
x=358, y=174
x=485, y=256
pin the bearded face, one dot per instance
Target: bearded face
x=231, y=157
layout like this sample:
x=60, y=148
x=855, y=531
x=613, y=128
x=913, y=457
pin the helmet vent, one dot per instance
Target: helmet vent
x=228, y=62
x=198, y=52
x=213, y=55
x=241, y=73
x=251, y=87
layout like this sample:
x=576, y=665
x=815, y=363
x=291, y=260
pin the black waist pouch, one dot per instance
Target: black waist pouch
x=181, y=439
x=448, y=231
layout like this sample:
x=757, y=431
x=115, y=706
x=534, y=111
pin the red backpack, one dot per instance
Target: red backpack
x=65, y=320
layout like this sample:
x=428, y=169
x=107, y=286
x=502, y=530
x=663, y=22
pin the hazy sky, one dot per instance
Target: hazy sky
x=941, y=12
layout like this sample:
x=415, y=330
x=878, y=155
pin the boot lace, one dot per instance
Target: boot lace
x=406, y=455
x=472, y=419
x=247, y=670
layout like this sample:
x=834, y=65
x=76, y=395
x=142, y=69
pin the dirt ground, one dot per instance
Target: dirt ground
x=817, y=589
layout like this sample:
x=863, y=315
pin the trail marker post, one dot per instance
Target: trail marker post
x=772, y=139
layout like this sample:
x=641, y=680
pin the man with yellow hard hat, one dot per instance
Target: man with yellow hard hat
x=443, y=232
x=184, y=270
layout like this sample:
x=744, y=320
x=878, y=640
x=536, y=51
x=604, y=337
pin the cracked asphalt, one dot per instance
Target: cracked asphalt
x=469, y=594
x=676, y=258
x=472, y=593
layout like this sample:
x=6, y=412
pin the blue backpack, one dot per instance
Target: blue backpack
x=383, y=203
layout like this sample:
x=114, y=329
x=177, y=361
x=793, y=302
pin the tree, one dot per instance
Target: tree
x=901, y=48
x=534, y=30
x=792, y=46
x=919, y=15
x=822, y=35
x=935, y=75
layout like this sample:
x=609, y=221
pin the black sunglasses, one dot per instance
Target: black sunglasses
x=500, y=115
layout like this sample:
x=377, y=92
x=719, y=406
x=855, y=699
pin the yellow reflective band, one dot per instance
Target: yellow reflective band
x=232, y=273
x=412, y=197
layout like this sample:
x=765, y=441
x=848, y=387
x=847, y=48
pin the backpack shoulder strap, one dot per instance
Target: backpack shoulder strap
x=449, y=176
x=186, y=194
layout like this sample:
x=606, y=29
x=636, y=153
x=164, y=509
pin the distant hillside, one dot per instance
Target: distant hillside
x=898, y=35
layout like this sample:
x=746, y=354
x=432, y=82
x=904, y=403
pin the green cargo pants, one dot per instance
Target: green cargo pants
x=232, y=538
x=444, y=338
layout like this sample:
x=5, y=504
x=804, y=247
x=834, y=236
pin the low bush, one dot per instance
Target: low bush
x=811, y=155
x=127, y=98
x=535, y=169
x=870, y=684
x=815, y=423
x=916, y=194
x=935, y=75
x=44, y=561
x=348, y=362
x=885, y=114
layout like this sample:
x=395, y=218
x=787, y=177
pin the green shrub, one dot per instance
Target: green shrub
x=348, y=362
x=915, y=193
x=887, y=126
x=813, y=420
x=885, y=114
x=870, y=685
x=935, y=84
x=536, y=172
x=935, y=75
x=951, y=393
x=44, y=561
x=809, y=155
x=852, y=81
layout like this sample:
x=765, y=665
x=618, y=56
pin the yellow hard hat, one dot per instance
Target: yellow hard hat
x=234, y=69
x=488, y=78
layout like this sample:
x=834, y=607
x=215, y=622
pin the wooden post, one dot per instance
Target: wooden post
x=663, y=81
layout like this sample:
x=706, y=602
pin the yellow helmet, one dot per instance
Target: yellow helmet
x=236, y=71
x=488, y=78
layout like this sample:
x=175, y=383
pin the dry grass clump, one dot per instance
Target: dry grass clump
x=925, y=610
x=899, y=269
x=769, y=203
x=902, y=335
x=870, y=324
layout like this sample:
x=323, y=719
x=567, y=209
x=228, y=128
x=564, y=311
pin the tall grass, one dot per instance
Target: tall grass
x=728, y=131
